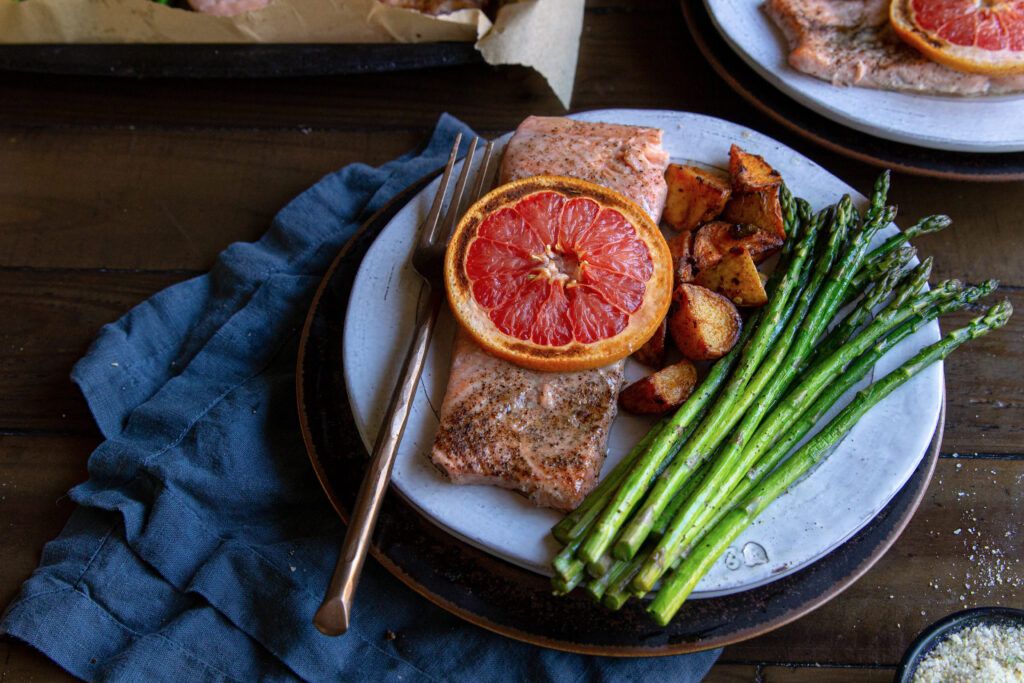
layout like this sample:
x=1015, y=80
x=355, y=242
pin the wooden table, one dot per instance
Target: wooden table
x=111, y=190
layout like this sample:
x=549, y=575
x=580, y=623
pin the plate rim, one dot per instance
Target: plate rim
x=921, y=478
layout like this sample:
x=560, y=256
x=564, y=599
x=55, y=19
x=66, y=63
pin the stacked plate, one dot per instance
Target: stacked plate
x=979, y=137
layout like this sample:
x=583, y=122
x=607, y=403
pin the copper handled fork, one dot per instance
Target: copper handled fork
x=335, y=612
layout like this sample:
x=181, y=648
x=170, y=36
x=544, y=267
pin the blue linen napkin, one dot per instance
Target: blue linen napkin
x=202, y=541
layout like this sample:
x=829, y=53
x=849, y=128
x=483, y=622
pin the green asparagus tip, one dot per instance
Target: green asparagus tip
x=987, y=287
x=931, y=224
x=804, y=210
x=999, y=315
x=892, y=275
x=845, y=205
x=898, y=260
x=882, y=182
x=950, y=287
x=924, y=269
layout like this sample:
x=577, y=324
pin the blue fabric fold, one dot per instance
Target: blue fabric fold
x=202, y=541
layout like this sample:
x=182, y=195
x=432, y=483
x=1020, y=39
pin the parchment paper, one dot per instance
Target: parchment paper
x=541, y=34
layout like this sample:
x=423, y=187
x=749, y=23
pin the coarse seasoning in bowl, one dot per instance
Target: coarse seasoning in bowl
x=982, y=645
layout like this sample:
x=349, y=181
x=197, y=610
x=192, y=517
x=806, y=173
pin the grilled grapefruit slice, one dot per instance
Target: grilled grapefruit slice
x=558, y=274
x=976, y=36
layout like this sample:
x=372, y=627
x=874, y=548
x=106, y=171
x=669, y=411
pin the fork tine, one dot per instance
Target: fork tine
x=429, y=226
x=481, y=175
x=454, y=206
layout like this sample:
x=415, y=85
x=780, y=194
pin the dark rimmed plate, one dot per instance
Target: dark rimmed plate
x=937, y=632
x=510, y=600
x=232, y=61
x=834, y=136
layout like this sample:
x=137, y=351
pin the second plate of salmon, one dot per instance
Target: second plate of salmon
x=828, y=507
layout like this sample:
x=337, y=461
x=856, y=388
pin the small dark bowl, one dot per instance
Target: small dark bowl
x=934, y=634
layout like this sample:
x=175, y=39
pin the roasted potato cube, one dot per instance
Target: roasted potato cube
x=652, y=354
x=704, y=325
x=750, y=173
x=760, y=208
x=661, y=391
x=695, y=196
x=681, y=248
x=737, y=278
x=714, y=240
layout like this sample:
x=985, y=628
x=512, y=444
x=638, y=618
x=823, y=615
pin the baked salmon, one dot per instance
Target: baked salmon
x=545, y=434
x=227, y=8
x=438, y=6
x=850, y=42
x=628, y=159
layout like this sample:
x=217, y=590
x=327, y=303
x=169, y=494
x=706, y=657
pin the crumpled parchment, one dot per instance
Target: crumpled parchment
x=541, y=34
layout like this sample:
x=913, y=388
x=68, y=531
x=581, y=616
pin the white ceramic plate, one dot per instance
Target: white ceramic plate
x=828, y=507
x=960, y=124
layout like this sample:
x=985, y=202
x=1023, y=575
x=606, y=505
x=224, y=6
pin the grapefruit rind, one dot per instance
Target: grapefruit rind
x=574, y=355
x=967, y=58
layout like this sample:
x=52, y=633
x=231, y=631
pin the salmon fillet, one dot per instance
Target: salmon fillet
x=437, y=6
x=545, y=434
x=541, y=433
x=850, y=42
x=227, y=8
x=628, y=159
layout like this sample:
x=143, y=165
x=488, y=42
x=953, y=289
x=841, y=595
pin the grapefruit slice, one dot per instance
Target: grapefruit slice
x=977, y=36
x=558, y=274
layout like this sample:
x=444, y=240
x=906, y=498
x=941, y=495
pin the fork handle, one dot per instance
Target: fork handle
x=335, y=612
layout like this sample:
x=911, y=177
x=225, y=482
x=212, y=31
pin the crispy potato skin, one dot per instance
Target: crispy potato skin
x=695, y=196
x=737, y=278
x=652, y=354
x=755, y=193
x=750, y=172
x=704, y=325
x=683, y=264
x=760, y=208
x=661, y=391
x=714, y=240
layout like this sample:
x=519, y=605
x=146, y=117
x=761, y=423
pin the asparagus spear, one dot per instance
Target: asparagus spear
x=925, y=226
x=601, y=569
x=603, y=530
x=816, y=379
x=681, y=582
x=853, y=374
x=617, y=588
x=577, y=522
x=851, y=323
x=563, y=587
x=597, y=587
x=566, y=564
x=879, y=195
x=723, y=414
x=621, y=589
x=895, y=259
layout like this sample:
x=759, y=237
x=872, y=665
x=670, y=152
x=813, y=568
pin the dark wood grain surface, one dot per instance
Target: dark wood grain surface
x=113, y=189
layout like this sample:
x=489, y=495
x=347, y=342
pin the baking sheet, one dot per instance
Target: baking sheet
x=541, y=34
